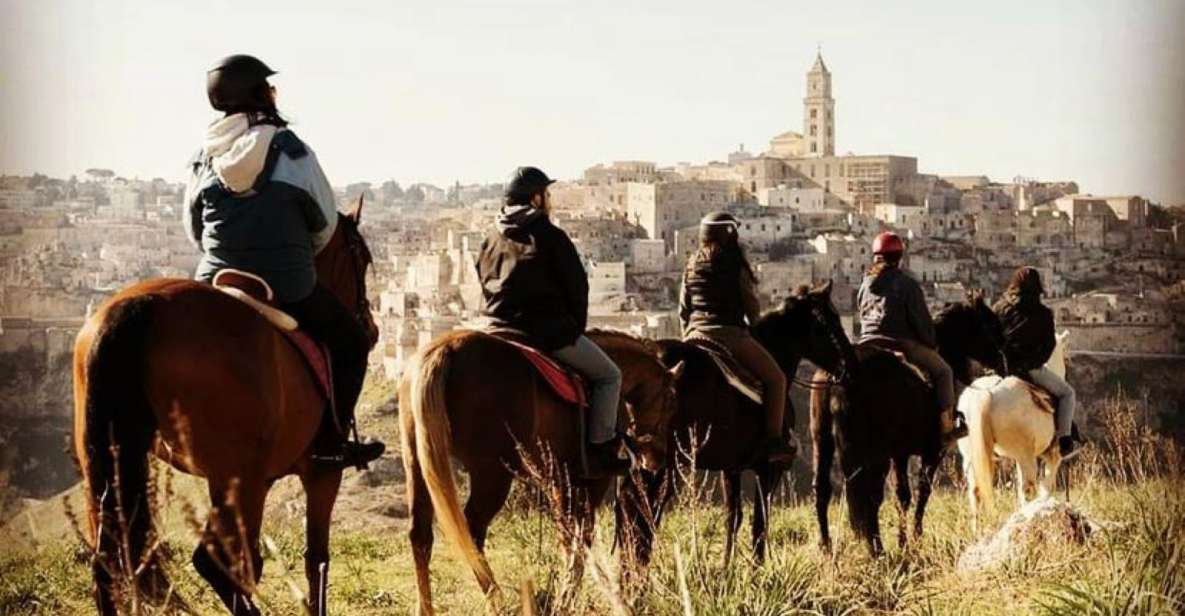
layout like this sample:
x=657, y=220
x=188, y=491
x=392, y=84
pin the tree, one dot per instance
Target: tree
x=415, y=194
x=391, y=191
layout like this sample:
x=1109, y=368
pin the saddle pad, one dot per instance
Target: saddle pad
x=736, y=375
x=567, y=385
x=1041, y=399
x=869, y=348
x=316, y=358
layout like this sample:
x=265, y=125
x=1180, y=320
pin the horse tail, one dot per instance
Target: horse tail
x=433, y=439
x=980, y=444
x=114, y=427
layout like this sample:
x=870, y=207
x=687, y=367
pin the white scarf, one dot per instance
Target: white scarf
x=238, y=150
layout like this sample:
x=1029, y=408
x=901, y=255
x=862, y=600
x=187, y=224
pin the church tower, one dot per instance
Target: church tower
x=818, y=109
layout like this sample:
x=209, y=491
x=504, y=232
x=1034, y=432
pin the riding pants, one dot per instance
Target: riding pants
x=940, y=373
x=604, y=378
x=753, y=356
x=1056, y=385
x=329, y=322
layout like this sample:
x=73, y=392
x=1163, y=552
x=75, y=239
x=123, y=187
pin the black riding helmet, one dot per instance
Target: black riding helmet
x=719, y=228
x=525, y=184
x=239, y=83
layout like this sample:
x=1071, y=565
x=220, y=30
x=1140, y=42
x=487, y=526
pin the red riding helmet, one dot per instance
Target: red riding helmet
x=888, y=243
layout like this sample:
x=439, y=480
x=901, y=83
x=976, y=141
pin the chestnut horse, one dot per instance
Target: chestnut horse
x=472, y=395
x=727, y=427
x=879, y=413
x=179, y=369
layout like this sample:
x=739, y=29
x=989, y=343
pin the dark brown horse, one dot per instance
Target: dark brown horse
x=728, y=428
x=180, y=369
x=472, y=395
x=878, y=413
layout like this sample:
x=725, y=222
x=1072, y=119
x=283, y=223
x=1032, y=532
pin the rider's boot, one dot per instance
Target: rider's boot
x=951, y=430
x=780, y=450
x=1068, y=447
x=603, y=460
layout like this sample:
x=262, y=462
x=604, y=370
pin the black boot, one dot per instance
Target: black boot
x=780, y=450
x=1068, y=447
x=603, y=460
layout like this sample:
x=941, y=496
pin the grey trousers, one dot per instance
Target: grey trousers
x=604, y=378
x=1056, y=385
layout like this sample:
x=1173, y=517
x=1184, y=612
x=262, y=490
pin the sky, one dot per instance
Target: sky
x=446, y=91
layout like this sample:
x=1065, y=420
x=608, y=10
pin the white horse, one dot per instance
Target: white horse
x=1014, y=419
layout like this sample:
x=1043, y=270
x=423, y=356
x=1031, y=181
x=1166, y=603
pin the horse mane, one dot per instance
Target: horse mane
x=619, y=339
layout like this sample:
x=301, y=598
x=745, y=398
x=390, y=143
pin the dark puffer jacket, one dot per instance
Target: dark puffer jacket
x=893, y=305
x=532, y=279
x=717, y=292
x=1029, y=337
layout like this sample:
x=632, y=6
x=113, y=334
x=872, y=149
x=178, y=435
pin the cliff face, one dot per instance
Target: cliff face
x=1157, y=383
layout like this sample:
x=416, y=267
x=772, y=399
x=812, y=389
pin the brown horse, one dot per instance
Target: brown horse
x=180, y=369
x=728, y=428
x=472, y=395
x=878, y=413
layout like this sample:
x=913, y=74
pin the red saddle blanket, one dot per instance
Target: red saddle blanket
x=565, y=383
x=317, y=359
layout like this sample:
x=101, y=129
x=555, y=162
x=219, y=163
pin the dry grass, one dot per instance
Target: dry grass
x=1130, y=478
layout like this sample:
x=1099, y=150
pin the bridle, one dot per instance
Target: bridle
x=359, y=258
x=841, y=375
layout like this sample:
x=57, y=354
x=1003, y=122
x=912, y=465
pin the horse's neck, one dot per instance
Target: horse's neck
x=1057, y=361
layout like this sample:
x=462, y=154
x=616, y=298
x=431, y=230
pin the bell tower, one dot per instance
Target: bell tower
x=818, y=109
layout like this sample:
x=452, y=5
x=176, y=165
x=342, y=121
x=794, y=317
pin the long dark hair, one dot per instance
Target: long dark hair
x=259, y=106
x=1025, y=284
x=721, y=244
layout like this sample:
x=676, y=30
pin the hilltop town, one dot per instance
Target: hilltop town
x=1113, y=264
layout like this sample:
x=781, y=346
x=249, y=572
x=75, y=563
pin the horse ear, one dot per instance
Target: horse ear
x=677, y=371
x=1061, y=336
x=355, y=213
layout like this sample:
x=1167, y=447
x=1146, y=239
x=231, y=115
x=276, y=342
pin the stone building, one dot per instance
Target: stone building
x=662, y=208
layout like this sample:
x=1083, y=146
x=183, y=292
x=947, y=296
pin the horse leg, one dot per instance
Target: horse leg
x=488, y=488
x=228, y=555
x=972, y=494
x=730, y=486
x=822, y=459
x=1026, y=480
x=419, y=505
x=865, y=493
x=767, y=482
x=930, y=462
x=900, y=467
x=876, y=497
x=320, y=494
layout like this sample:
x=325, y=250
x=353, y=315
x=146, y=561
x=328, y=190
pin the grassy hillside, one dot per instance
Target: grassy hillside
x=1130, y=482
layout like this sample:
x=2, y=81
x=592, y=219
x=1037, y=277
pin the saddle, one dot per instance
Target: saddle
x=736, y=375
x=877, y=346
x=256, y=293
x=564, y=383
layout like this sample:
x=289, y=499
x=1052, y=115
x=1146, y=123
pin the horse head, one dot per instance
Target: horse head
x=648, y=390
x=808, y=325
x=1057, y=360
x=342, y=267
x=971, y=329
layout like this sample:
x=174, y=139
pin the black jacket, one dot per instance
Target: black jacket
x=1028, y=332
x=893, y=305
x=717, y=292
x=532, y=279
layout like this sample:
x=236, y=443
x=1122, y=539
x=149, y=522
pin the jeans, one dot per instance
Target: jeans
x=324, y=317
x=1056, y=385
x=750, y=354
x=940, y=373
x=604, y=378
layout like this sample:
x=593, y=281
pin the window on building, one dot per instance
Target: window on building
x=814, y=130
x=813, y=147
x=814, y=112
x=812, y=166
x=826, y=171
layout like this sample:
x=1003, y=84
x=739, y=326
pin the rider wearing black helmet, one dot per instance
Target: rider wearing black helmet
x=719, y=302
x=534, y=284
x=259, y=202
